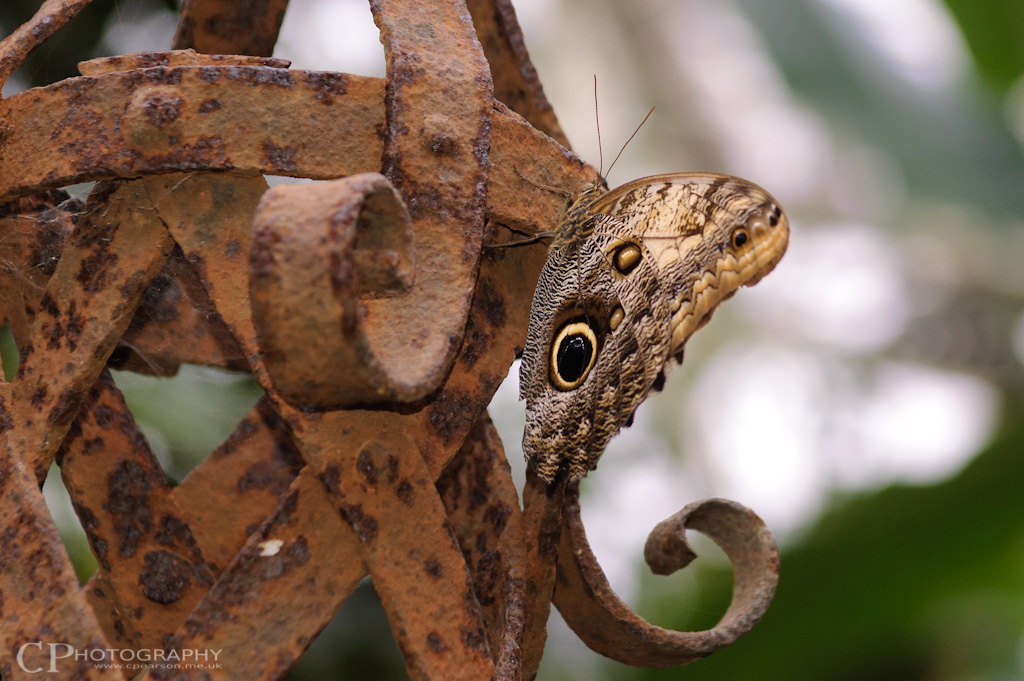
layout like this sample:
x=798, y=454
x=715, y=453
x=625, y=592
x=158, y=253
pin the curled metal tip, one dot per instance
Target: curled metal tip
x=610, y=627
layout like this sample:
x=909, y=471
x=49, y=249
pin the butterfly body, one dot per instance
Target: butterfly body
x=631, y=274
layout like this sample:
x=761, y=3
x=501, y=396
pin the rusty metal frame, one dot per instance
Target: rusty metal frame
x=367, y=307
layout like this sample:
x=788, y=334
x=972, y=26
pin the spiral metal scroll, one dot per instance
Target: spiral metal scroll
x=610, y=627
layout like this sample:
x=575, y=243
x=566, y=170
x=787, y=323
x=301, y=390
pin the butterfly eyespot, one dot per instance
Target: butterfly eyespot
x=740, y=237
x=626, y=258
x=616, y=318
x=572, y=355
x=774, y=215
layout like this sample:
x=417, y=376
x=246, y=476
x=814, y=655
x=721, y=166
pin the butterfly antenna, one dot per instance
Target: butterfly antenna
x=597, y=122
x=630, y=139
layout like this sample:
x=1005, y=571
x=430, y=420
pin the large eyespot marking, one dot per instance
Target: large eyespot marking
x=572, y=355
x=626, y=258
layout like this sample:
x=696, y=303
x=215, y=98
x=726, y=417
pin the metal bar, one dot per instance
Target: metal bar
x=42, y=601
x=383, y=490
x=516, y=83
x=230, y=26
x=200, y=118
x=282, y=588
x=114, y=254
x=151, y=572
x=610, y=627
x=51, y=16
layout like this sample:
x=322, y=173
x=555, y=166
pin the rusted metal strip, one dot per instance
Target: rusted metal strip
x=114, y=254
x=200, y=118
x=610, y=627
x=42, y=602
x=33, y=230
x=515, y=79
x=51, y=16
x=176, y=324
x=189, y=118
x=316, y=249
x=508, y=666
x=230, y=26
x=282, y=588
x=183, y=57
x=209, y=214
x=151, y=572
x=438, y=102
x=227, y=496
x=381, y=487
x=542, y=525
x=483, y=508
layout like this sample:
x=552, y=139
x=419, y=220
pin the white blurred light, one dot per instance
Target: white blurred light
x=764, y=133
x=840, y=284
x=921, y=425
x=1018, y=339
x=127, y=33
x=331, y=35
x=13, y=86
x=637, y=485
x=918, y=38
x=757, y=413
x=782, y=428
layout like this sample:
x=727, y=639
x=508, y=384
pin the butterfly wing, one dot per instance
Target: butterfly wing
x=632, y=273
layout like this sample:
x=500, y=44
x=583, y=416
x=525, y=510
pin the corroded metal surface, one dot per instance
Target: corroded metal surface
x=149, y=563
x=230, y=27
x=516, y=83
x=113, y=255
x=279, y=591
x=42, y=602
x=167, y=262
x=437, y=143
x=33, y=231
x=316, y=248
x=76, y=131
x=610, y=627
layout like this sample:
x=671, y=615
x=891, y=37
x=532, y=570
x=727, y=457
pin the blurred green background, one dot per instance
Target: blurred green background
x=867, y=399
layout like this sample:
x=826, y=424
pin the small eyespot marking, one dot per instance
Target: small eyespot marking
x=626, y=258
x=740, y=237
x=616, y=318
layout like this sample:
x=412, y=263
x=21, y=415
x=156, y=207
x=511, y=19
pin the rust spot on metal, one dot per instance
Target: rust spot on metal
x=209, y=105
x=327, y=85
x=365, y=464
x=364, y=525
x=279, y=157
x=450, y=413
x=435, y=643
x=165, y=578
x=161, y=110
x=65, y=409
x=433, y=568
x=404, y=492
x=127, y=502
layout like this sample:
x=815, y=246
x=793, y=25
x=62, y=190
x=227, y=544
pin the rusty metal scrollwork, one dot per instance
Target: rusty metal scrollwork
x=610, y=627
x=367, y=308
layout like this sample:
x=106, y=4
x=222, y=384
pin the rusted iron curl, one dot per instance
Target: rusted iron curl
x=610, y=627
x=315, y=249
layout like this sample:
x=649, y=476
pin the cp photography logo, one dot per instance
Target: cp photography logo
x=39, y=657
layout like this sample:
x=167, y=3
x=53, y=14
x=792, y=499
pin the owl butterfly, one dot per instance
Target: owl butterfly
x=631, y=274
